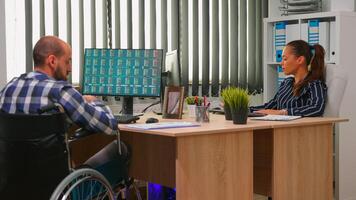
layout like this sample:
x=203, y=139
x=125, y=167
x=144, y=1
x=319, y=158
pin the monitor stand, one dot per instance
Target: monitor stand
x=127, y=106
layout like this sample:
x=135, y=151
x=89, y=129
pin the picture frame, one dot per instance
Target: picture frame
x=173, y=102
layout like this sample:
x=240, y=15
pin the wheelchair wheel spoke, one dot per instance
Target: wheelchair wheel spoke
x=84, y=184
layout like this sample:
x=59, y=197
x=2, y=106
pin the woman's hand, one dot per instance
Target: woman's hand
x=272, y=112
x=221, y=104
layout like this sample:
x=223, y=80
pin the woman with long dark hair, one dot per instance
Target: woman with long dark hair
x=304, y=93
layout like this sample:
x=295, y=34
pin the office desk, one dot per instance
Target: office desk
x=215, y=161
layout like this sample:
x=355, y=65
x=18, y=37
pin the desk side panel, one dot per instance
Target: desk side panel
x=153, y=157
x=215, y=166
x=302, y=163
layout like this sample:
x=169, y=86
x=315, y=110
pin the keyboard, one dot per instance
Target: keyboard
x=126, y=119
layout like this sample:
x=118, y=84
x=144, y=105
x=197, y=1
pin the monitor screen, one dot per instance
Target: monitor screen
x=122, y=72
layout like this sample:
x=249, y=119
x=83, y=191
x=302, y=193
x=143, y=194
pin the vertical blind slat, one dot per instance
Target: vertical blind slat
x=42, y=18
x=224, y=44
x=129, y=24
x=195, y=49
x=233, y=43
x=69, y=22
x=264, y=12
x=141, y=24
x=251, y=36
x=109, y=24
x=215, y=48
x=55, y=17
x=93, y=23
x=105, y=23
x=242, y=43
x=258, y=55
x=3, y=53
x=28, y=36
x=153, y=24
x=164, y=26
x=205, y=48
x=69, y=28
x=174, y=24
x=81, y=39
x=184, y=37
x=117, y=25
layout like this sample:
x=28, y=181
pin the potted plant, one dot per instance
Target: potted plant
x=238, y=100
x=227, y=110
x=190, y=101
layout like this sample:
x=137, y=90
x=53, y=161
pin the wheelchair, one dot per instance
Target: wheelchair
x=35, y=161
x=88, y=183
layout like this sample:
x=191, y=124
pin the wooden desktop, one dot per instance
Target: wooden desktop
x=220, y=160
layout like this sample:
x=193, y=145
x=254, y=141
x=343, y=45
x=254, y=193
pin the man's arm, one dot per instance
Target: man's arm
x=88, y=112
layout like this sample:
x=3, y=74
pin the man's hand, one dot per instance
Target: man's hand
x=89, y=98
x=271, y=112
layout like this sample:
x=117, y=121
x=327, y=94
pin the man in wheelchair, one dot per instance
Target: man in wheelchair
x=47, y=85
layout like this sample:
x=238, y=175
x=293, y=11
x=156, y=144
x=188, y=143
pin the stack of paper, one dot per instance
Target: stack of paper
x=277, y=118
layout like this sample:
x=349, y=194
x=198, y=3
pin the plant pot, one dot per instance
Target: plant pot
x=227, y=111
x=191, y=110
x=239, y=116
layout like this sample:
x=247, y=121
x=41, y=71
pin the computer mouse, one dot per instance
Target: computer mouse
x=151, y=120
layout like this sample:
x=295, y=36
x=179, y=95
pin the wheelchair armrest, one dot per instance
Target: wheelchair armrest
x=81, y=133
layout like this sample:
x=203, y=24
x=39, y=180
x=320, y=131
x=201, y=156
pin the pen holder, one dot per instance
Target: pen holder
x=202, y=113
x=191, y=110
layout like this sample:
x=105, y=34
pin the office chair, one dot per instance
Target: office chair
x=33, y=157
x=336, y=80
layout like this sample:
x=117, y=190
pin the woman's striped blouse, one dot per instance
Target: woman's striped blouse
x=310, y=102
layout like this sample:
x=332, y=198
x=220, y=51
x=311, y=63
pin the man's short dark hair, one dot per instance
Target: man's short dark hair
x=47, y=45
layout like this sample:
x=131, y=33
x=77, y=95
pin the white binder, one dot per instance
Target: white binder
x=292, y=32
x=332, y=46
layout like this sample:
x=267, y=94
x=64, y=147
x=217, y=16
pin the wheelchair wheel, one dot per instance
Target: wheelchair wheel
x=83, y=184
x=127, y=189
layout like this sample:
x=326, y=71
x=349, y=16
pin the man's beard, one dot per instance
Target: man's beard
x=58, y=76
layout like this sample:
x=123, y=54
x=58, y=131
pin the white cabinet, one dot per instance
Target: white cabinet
x=337, y=34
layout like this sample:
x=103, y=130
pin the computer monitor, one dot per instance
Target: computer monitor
x=173, y=68
x=122, y=72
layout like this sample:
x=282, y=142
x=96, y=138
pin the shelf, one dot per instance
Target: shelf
x=311, y=16
x=273, y=63
x=304, y=9
x=301, y=3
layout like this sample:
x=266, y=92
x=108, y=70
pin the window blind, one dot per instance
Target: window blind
x=219, y=42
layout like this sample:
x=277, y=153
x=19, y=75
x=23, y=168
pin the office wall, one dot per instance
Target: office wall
x=2, y=44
